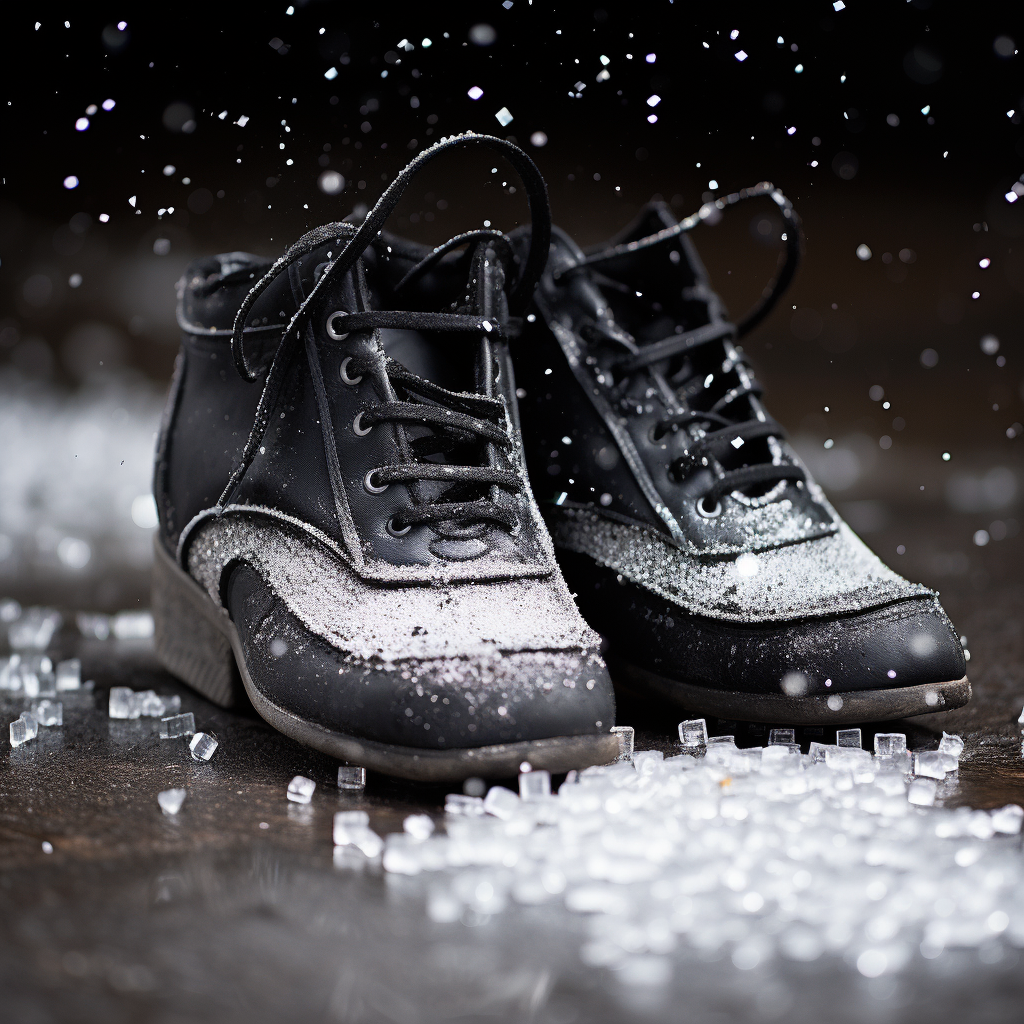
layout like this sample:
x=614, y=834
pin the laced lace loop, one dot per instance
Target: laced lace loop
x=710, y=212
x=727, y=436
x=471, y=425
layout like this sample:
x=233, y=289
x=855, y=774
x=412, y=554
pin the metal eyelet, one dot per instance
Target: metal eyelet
x=709, y=513
x=370, y=487
x=330, y=325
x=394, y=531
x=344, y=371
x=357, y=429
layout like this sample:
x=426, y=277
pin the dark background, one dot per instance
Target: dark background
x=864, y=166
x=235, y=911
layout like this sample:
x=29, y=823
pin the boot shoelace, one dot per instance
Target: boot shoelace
x=723, y=435
x=474, y=427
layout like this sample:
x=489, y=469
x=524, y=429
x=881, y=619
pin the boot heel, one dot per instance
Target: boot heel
x=191, y=634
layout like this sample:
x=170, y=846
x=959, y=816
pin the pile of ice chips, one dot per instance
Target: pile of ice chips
x=755, y=853
x=35, y=677
x=174, y=724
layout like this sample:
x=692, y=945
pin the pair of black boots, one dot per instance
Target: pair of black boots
x=346, y=482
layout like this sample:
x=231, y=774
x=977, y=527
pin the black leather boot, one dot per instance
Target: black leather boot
x=695, y=539
x=346, y=526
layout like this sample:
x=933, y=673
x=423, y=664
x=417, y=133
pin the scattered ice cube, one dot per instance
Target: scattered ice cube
x=10, y=672
x=300, y=789
x=94, y=627
x=922, y=792
x=202, y=746
x=177, y=725
x=729, y=741
x=151, y=705
x=625, y=734
x=890, y=744
x=402, y=854
x=19, y=732
x=534, y=785
x=818, y=751
x=465, y=806
x=351, y=776
x=122, y=702
x=69, y=675
x=781, y=736
x=779, y=755
x=951, y=744
x=345, y=819
x=502, y=802
x=132, y=626
x=848, y=738
x=1008, y=819
x=351, y=828
x=932, y=764
x=848, y=758
x=34, y=629
x=419, y=826
x=693, y=733
x=48, y=712
x=31, y=724
x=170, y=800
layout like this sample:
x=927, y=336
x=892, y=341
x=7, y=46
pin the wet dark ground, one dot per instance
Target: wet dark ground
x=237, y=910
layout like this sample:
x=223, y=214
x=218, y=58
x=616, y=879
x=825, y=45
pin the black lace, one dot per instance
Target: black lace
x=722, y=432
x=459, y=424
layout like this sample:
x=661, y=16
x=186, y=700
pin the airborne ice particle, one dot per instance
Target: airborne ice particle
x=72, y=182
x=331, y=73
x=740, y=55
x=475, y=93
x=81, y=124
x=863, y=252
x=653, y=101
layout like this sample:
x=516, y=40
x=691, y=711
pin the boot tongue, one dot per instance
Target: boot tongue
x=669, y=278
x=675, y=298
x=470, y=366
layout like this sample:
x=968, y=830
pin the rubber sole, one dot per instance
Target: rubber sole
x=780, y=709
x=197, y=642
